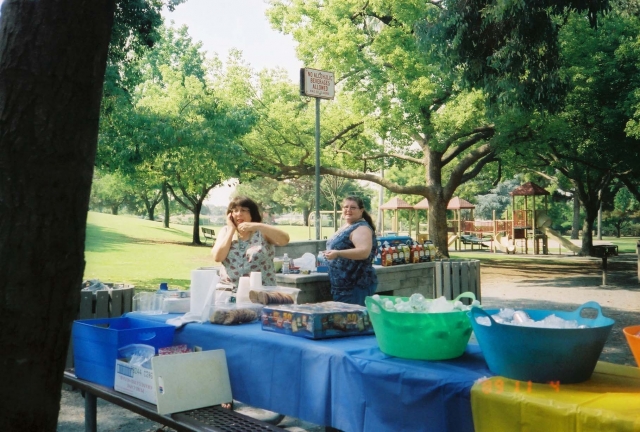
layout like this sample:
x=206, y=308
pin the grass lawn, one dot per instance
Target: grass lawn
x=144, y=253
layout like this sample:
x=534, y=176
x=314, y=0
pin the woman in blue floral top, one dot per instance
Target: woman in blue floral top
x=350, y=254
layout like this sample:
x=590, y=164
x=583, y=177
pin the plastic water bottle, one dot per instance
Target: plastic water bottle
x=164, y=288
x=285, y=264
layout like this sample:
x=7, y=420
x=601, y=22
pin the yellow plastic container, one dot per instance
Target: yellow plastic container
x=631, y=333
x=420, y=336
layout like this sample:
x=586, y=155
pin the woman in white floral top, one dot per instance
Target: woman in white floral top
x=246, y=244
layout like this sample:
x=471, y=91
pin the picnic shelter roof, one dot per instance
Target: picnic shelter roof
x=459, y=203
x=396, y=204
x=455, y=204
x=529, y=189
x=422, y=205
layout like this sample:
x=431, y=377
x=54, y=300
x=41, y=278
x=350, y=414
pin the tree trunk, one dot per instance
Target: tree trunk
x=600, y=221
x=587, y=233
x=305, y=216
x=196, y=221
x=438, y=225
x=575, y=225
x=52, y=62
x=151, y=212
x=165, y=202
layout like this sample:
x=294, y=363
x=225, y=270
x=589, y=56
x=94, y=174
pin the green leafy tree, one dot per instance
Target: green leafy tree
x=510, y=49
x=587, y=140
x=198, y=133
x=110, y=191
x=625, y=212
x=398, y=103
x=497, y=200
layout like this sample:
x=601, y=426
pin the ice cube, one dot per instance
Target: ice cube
x=416, y=299
x=440, y=305
x=506, y=314
x=483, y=320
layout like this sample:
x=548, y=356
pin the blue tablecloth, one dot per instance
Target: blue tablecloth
x=347, y=383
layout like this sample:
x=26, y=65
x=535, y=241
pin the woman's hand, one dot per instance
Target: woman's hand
x=332, y=254
x=248, y=227
x=231, y=224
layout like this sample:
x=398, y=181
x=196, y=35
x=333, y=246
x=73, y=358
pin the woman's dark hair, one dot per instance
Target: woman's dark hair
x=243, y=201
x=366, y=216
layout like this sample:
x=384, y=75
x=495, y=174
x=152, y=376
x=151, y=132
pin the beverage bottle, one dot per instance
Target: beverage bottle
x=285, y=264
x=389, y=257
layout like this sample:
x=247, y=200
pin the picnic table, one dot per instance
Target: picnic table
x=346, y=383
x=214, y=418
x=473, y=240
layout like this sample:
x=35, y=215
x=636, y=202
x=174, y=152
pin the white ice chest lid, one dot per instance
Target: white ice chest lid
x=191, y=380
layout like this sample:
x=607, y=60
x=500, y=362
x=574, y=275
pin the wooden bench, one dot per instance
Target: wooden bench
x=208, y=233
x=214, y=418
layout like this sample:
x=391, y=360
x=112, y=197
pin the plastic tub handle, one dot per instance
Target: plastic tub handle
x=146, y=336
x=590, y=305
x=370, y=301
x=467, y=294
x=476, y=310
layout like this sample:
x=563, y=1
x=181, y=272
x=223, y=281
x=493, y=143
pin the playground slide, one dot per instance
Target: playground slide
x=560, y=239
x=502, y=243
x=452, y=239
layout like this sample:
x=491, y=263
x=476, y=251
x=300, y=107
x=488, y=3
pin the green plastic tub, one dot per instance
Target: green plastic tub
x=420, y=336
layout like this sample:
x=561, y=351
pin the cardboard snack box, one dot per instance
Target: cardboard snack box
x=317, y=320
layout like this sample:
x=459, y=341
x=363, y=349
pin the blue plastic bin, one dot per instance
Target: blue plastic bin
x=543, y=354
x=96, y=343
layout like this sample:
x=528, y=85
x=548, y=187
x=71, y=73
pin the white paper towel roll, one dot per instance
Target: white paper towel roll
x=201, y=281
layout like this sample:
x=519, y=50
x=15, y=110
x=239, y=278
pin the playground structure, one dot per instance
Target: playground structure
x=528, y=228
x=396, y=204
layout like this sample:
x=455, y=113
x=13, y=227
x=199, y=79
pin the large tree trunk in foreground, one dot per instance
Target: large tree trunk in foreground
x=52, y=61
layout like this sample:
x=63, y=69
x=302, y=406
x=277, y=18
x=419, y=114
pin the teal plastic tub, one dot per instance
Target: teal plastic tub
x=420, y=336
x=543, y=354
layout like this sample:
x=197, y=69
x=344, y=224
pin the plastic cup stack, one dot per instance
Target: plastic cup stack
x=255, y=280
x=244, y=286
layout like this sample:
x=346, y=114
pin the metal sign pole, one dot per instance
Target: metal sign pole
x=321, y=85
x=317, y=168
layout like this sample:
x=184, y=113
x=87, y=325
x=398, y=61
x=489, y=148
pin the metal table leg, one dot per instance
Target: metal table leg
x=90, y=412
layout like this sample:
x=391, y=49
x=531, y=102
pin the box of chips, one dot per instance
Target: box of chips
x=317, y=320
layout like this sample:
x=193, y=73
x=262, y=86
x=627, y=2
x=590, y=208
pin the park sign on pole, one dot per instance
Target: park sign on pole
x=320, y=85
x=317, y=83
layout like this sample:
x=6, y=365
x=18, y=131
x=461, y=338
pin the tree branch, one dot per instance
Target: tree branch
x=479, y=133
